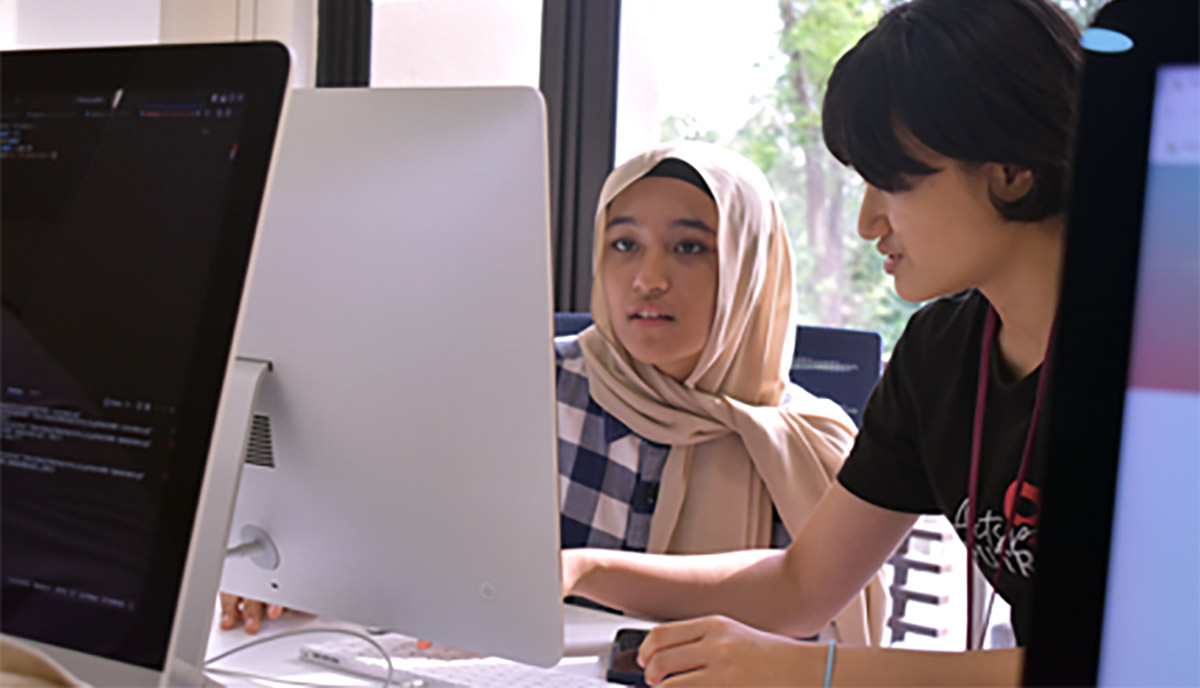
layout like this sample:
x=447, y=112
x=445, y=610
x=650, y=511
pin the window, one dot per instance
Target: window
x=753, y=80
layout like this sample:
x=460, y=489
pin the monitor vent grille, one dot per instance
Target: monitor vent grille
x=259, y=451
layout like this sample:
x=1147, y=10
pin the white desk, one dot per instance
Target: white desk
x=587, y=635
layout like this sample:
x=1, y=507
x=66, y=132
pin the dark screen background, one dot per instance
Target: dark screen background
x=111, y=212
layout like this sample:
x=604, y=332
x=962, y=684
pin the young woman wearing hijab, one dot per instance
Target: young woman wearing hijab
x=957, y=114
x=679, y=429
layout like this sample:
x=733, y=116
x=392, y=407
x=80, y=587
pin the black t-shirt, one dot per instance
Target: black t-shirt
x=913, y=452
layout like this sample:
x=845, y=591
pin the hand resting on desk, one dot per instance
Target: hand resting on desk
x=718, y=651
x=249, y=613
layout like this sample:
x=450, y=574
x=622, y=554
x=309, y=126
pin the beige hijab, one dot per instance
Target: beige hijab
x=735, y=450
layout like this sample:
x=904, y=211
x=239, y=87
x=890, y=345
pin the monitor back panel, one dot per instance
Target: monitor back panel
x=401, y=292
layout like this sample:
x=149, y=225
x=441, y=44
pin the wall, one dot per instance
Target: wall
x=291, y=22
x=415, y=42
x=77, y=23
x=440, y=42
x=32, y=24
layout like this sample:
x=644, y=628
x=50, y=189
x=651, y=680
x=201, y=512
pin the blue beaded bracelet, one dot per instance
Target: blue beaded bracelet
x=829, y=662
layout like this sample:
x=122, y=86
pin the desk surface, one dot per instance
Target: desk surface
x=587, y=635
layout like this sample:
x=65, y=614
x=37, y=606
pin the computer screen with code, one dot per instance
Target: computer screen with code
x=130, y=197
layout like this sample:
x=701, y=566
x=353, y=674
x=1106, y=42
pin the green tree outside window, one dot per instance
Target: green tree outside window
x=839, y=281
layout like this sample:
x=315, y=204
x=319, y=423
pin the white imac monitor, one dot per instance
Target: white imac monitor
x=401, y=449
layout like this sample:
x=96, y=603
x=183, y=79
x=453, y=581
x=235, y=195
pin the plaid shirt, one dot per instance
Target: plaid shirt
x=608, y=474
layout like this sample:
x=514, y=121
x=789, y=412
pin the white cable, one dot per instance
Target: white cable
x=387, y=682
x=242, y=549
x=272, y=679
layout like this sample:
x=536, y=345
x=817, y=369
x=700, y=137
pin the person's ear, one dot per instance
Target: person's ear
x=1009, y=183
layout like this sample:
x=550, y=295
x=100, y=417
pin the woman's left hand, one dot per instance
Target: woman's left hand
x=718, y=651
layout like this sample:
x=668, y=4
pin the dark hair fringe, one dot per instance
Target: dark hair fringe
x=974, y=80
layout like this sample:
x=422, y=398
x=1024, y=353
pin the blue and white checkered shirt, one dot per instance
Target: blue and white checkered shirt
x=608, y=474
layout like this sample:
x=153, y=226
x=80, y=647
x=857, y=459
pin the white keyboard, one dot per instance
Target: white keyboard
x=435, y=667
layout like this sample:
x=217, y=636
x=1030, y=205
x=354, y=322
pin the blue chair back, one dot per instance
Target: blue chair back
x=571, y=323
x=839, y=364
x=835, y=363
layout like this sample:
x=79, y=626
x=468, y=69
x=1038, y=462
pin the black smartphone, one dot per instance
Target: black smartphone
x=622, y=657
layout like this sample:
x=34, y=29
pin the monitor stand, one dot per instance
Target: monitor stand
x=210, y=533
x=587, y=631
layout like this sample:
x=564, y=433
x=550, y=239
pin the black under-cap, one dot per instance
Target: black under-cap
x=678, y=169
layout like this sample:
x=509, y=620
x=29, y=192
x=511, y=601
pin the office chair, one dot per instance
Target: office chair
x=570, y=323
x=839, y=364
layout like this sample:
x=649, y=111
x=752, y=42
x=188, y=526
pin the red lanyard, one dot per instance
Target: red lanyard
x=985, y=359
